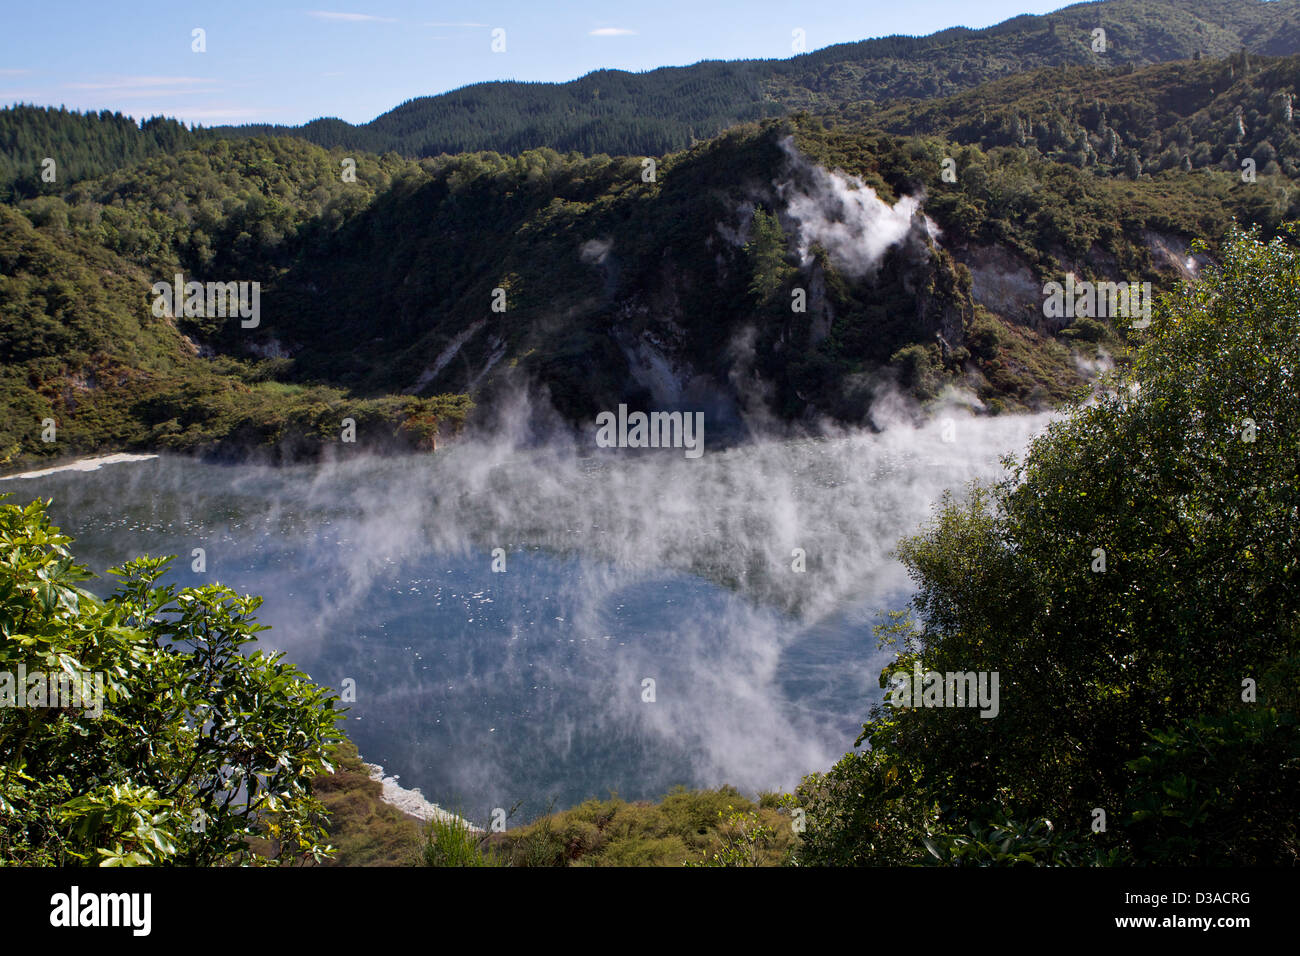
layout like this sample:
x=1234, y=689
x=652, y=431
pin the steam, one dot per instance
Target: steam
x=594, y=251
x=597, y=252
x=484, y=689
x=846, y=217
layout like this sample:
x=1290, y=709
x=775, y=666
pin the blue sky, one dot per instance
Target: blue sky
x=275, y=62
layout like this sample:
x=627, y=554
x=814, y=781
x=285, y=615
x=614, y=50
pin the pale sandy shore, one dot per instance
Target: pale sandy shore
x=81, y=464
x=412, y=802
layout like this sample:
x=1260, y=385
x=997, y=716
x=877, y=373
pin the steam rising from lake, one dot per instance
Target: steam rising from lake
x=486, y=689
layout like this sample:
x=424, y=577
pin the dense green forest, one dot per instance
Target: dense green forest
x=81, y=146
x=82, y=347
x=1199, y=114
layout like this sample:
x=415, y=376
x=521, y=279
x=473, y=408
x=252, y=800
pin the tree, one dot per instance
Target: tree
x=179, y=745
x=1110, y=144
x=1131, y=581
x=1132, y=165
x=766, y=251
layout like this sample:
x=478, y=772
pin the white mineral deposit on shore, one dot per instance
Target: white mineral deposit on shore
x=81, y=464
x=412, y=802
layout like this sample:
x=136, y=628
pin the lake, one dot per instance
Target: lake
x=530, y=685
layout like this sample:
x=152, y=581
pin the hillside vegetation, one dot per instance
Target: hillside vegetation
x=1199, y=114
x=82, y=347
x=379, y=296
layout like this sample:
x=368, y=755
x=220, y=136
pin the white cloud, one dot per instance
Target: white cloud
x=612, y=32
x=129, y=94
x=135, y=87
x=350, y=17
x=453, y=24
x=139, y=82
x=240, y=114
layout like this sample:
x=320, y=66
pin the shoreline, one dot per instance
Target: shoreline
x=411, y=801
x=260, y=456
x=89, y=463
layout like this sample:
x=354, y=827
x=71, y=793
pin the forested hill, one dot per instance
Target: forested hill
x=379, y=296
x=651, y=113
x=82, y=145
x=657, y=112
x=1190, y=114
x=753, y=275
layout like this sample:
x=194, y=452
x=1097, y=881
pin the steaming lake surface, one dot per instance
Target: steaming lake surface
x=487, y=689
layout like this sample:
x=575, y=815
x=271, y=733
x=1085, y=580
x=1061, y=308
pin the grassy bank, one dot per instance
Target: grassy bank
x=694, y=827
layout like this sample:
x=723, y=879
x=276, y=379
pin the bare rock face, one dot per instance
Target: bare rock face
x=1003, y=283
x=1173, y=254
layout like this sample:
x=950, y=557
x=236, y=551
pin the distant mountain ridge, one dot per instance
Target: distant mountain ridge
x=664, y=110
x=611, y=111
